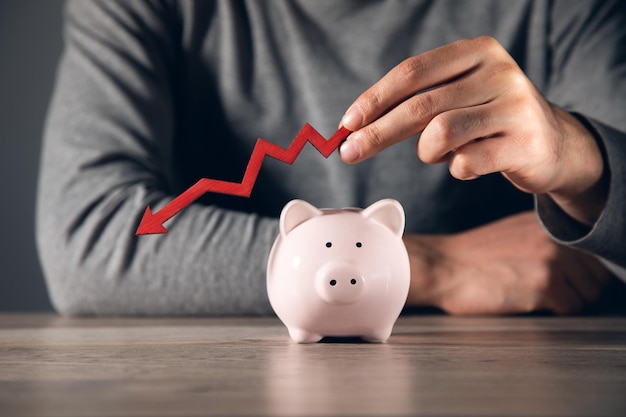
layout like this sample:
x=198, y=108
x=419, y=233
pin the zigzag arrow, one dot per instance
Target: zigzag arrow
x=152, y=223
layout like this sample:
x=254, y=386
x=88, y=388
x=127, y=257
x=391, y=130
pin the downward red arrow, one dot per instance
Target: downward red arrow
x=152, y=223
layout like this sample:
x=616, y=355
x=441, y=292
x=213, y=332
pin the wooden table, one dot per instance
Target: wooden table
x=433, y=365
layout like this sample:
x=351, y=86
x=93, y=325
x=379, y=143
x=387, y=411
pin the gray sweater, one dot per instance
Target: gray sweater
x=152, y=96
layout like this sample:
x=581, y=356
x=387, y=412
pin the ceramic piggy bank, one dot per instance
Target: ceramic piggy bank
x=339, y=272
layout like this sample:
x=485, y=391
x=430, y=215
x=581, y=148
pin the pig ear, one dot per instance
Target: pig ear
x=294, y=213
x=387, y=212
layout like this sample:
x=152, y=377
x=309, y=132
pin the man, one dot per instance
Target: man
x=524, y=98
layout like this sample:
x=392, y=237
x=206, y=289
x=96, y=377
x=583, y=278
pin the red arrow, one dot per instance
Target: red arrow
x=152, y=223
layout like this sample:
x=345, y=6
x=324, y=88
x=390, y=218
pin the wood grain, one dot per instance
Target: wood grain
x=432, y=365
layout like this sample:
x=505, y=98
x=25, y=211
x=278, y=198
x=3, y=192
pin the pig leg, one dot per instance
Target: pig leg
x=303, y=336
x=378, y=335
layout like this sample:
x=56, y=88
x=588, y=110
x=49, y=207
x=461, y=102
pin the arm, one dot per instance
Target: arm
x=508, y=266
x=107, y=156
x=476, y=110
x=589, y=62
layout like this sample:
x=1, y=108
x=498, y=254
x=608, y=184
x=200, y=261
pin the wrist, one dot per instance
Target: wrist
x=584, y=189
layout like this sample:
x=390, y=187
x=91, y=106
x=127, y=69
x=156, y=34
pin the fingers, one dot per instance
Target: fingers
x=475, y=108
x=413, y=75
x=403, y=102
x=488, y=138
x=413, y=116
x=561, y=297
x=451, y=131
x=510, y=266
x=578, y=282
x=587, y=276
x=481, y=157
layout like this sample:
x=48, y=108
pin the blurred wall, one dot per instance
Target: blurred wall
x=30, y=45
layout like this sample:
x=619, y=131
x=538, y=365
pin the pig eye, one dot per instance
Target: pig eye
x=359, y=244
x=328, y=244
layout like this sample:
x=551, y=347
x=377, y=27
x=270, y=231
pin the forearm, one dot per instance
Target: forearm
x=94, y=187
x=108, y=154
x=93, y=191
x=211, y=262
x=588, y=80
x=504, y=267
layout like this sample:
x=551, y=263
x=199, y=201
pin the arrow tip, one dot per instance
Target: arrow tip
x=150, y=224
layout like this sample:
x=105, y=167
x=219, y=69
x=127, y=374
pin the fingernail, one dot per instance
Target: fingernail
x=353, y=119
x=349, y=151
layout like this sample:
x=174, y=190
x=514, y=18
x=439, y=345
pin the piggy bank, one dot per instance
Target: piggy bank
x=339, y=272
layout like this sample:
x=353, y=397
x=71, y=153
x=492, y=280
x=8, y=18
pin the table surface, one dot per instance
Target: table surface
x=433, y=365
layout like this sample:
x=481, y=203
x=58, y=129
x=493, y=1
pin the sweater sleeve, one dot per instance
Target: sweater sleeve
x=107, y=155
x=589, y=78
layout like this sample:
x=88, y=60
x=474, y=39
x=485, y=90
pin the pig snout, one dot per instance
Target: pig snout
x=339, y=283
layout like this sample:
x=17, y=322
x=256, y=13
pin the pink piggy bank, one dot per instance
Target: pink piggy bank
x=339, y=272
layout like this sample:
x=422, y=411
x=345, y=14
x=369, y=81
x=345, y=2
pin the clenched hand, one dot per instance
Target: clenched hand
x=508, y=266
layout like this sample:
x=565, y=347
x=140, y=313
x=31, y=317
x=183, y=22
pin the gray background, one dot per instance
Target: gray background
x=30, y=45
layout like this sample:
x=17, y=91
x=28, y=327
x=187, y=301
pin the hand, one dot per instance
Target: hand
x=476, y=110
x=509, y=266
